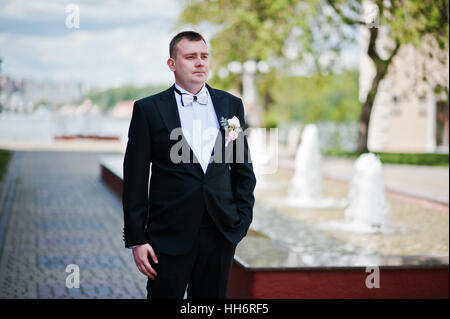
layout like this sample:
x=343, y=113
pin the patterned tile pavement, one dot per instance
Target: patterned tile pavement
x=55, y=211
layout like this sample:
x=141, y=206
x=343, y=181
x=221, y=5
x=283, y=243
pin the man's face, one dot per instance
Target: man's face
x=191, y=65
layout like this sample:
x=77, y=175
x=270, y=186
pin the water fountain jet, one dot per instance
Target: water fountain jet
x=305, y=189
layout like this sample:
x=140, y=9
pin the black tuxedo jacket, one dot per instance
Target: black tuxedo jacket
x=168, y=212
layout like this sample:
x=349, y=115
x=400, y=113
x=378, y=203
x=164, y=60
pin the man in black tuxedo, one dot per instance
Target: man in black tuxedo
x=185, y=224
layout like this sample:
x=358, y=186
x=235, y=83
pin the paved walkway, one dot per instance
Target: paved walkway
x=426, y=182
x=55, y=211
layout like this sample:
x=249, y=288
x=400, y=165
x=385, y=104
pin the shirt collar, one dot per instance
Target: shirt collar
x=204, y=90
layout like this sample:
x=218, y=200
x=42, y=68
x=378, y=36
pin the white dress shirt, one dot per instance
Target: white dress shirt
x=199, y=125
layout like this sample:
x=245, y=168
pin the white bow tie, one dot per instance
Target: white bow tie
x=187, y=99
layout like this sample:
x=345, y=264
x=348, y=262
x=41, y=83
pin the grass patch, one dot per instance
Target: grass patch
x=5, y=156
x=426, y=159
x=255, y=233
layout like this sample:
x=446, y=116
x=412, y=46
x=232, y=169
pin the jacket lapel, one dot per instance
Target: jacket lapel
x=219, y=105
x=222, y=110
x=169, y=112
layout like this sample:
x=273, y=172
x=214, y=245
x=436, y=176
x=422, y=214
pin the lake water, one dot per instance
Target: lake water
x=44, y=126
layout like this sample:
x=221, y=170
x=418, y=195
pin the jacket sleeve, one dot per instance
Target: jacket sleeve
x=243, y=180
x=136, y=166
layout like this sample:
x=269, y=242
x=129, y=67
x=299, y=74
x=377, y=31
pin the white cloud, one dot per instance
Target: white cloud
x=118, y=41
x=102, y=10
x=120, y=55
x=22, y=9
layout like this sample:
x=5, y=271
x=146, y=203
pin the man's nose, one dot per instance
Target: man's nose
x=199, y=62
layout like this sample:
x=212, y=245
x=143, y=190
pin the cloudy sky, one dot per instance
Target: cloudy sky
x=117, y=42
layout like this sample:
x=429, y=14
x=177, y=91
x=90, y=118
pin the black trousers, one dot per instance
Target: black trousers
x=205, y=270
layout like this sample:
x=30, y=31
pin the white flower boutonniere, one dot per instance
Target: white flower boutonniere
x=232, y=128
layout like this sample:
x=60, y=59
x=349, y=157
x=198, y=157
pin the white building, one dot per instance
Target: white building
x=407, y=115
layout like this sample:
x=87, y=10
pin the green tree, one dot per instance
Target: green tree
x=247, y=30
x=409, y=21
x=321, y=98
x=110, y=97
x=262, y=29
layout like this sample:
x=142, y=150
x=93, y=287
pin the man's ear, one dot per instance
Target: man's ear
x=171, y=64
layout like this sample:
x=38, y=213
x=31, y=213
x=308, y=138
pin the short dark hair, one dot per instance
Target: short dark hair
x=190, y=35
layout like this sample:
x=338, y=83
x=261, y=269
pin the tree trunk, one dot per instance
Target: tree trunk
x=364, y=119
x=267, y=101
x=381, y=67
